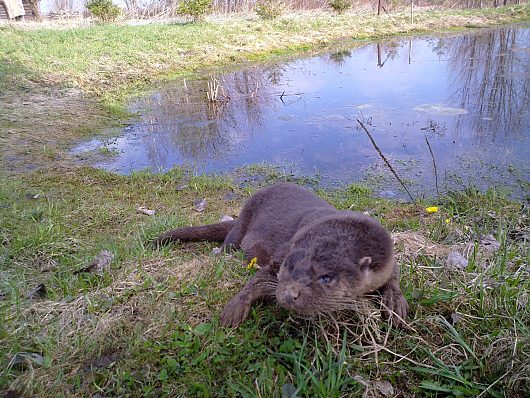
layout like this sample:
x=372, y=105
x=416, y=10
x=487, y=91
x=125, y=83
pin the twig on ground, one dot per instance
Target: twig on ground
x=434, y=164
x=386, y=161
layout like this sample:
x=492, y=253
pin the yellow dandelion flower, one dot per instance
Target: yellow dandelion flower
x=432, y=209
x=447, y=220
x=252, y=263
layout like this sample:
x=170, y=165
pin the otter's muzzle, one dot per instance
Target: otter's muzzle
x=289, y=295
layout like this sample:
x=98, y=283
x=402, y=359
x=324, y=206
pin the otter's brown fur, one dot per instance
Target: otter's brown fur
x=314, y=258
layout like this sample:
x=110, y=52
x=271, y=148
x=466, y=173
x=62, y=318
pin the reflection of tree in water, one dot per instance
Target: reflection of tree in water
x=386, y=50
x=491, y=81
x=339, y=57
x=180, y=119
x=275, y=74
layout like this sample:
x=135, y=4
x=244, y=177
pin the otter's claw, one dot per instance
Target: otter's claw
x=236, y=311
x=395, y=304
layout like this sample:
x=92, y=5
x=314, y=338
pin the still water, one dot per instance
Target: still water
x=465, y=95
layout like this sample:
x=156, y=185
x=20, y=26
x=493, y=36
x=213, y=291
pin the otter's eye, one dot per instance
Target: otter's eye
x=324, y=279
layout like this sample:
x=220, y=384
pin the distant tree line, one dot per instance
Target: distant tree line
x=228, y=6
x=106, y=10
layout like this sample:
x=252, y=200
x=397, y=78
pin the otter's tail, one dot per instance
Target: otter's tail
x=213, y=232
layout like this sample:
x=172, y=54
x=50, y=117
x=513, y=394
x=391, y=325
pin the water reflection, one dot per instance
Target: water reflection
x=490, y=74
x=467, y=93
x=181, y=120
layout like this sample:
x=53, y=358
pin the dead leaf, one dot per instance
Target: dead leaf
x=217, y=250
x=384, y=387
x=226, y=218
x=199, y=205
x=490, y=244
x=181, y=187
x=289, y=391
x=145, y=210
x=230, y=197
x=101, y=362
x=375, y=388
x=26, y=358
x=38, y=292
x=456, y=260
x=100, y=263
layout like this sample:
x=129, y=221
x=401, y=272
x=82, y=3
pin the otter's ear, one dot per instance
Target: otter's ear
x=365, y=262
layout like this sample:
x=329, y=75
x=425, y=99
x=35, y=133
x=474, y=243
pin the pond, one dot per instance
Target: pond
x=459, y=102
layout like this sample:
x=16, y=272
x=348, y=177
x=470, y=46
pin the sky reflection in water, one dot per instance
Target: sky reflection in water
x=467, y=93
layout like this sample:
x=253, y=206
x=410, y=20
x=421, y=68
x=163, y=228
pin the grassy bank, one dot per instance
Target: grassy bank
x=148, y=326
x=105, y=59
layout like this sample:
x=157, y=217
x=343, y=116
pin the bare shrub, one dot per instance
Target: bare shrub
x=270, y=9
x=339, y=6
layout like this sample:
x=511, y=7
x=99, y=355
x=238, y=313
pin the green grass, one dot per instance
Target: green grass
x=149, y=326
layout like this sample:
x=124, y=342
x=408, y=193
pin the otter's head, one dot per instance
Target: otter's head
x=330, y=266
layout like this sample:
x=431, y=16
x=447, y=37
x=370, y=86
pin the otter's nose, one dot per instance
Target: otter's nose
x=290, y=294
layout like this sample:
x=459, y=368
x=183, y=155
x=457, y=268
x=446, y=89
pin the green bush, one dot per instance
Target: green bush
x=339, y=6
x=103, y=10
x=269, y=9
x=197, y=9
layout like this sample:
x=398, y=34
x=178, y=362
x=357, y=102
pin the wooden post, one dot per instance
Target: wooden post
x=378, y=7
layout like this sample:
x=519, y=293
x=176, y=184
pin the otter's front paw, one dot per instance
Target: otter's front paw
x=236, y=311
x=395, y=304
x=157, y=243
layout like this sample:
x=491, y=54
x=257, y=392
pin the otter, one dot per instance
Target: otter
x=314, y=258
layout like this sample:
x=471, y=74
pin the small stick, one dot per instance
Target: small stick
x=386, y=161
x=434, y=164
x=390, y=16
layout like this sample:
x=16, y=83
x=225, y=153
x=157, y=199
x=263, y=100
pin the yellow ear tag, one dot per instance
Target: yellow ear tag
x=252, y=263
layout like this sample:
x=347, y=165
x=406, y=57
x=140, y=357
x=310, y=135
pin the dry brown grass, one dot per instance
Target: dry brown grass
x=96, y=323
x=39, y=125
